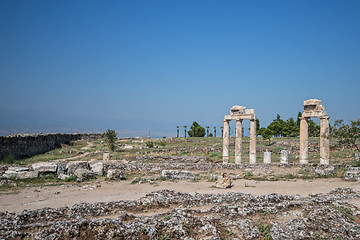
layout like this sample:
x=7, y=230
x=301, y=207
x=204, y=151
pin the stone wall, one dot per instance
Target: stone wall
x=28, y=145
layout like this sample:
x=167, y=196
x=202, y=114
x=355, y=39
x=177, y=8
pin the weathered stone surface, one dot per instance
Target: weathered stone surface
x=7, y=182
x=106, y=156
x=267, y=157
x=61, y=168
x=29, y=174
x=231, y=215
x=115, y=174
x=224, y=181
x=357, y=157
x=72, y=166
x=352, y=173
x=284, y=159
x=82, y=173
x=43, y=167
x=177, y=175
x=97, y=167
x=326, y=171
x=63, y=176
x=18, y=169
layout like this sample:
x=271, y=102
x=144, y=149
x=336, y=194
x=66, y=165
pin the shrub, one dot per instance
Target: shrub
x=10, y=159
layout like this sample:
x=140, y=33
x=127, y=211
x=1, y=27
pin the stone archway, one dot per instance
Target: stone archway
x=313, y=108
x=237, y=113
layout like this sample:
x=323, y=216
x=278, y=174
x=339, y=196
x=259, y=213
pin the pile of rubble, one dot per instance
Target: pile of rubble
x=199, y=216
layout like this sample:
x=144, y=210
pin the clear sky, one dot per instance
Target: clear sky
x=135, y=66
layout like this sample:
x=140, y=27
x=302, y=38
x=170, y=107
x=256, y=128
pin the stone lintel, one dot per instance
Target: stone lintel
x=312, y=102
x=314, y=114
x=239, y=117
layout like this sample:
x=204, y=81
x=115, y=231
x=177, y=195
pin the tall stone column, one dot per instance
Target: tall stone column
x=238, y=140
x=324, y=141
x=252, y=152
x=304, y=141
x=226, y=142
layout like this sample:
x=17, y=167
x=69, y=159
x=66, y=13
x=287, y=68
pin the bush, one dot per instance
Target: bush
x=150, y=144
x=110, y=136
x=10, y=159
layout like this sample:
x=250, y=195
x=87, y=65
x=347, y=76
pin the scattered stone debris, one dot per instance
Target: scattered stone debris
x=115, y=174
x=353, y=173
x=177, y=175
x=227, y=216
x=224, y=181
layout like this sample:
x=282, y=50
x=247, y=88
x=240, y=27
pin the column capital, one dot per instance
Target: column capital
x=324, y=117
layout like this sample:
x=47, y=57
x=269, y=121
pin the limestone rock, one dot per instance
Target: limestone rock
x=97, y=167
x=330, y=170
x=7, y=182
x=177, y=175
x=18, y=169
x=224, y=181
x=29, y=174
x=82, y=173
x=63, y=176
x=72, y=166
x=114, y=174
x=61, y=169
x=43, y=167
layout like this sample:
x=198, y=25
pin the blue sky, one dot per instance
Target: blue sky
x=135, y=66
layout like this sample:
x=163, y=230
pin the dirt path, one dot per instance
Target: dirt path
x=89, y=145
x=70, y=194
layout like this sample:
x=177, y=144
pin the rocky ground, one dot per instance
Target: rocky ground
x=168, y=214
x=140, y=193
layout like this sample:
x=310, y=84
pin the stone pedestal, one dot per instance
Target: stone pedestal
x=238, y=141
x=324, y=141
x=267, y=157
x=304, y=141
x=284, y=159
x=106, y=156
x=226, y=142
x=252, y=152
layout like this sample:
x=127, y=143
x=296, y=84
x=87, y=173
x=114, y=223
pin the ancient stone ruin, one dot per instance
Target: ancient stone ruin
x=239, y=113
x=313, y=108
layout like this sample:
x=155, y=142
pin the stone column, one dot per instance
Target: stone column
x=238, y=139
x=324, y=141
x=304, y=141
x=106, y=156
x=226, y=142
x=252, y=152
x=267, y=157
x=284, y=159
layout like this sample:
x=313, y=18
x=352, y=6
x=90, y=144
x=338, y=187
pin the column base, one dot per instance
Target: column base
x=238, y=159
x=324, y=161
x=252, y=159
x=304, y=161
x=226, y=159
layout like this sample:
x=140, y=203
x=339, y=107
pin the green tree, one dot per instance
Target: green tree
x=266, y=133
x=298, y=119
x=196, y=130
x=314, y=129
x=222, y=131
x=110, y=136
x=214, y=131
x=290, y=129
x=257, y=127
x=276, y=126
x=207, y=131
x=177, y=131
x=185, y=130
x=347, y=135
